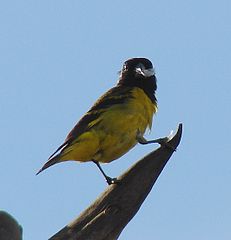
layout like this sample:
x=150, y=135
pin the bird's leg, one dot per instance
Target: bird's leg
x=109, y=180
x=162, y=141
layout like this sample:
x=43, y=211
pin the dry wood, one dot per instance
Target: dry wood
x=9, y=228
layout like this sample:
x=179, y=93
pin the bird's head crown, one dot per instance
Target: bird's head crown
x=139, y=72
x=138, y=67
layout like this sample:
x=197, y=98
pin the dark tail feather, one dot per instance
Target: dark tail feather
x=49, y=163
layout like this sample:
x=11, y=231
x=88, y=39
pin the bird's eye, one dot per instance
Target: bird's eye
x=124, y=67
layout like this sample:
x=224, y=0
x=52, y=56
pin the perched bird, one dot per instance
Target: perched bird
x=116, y=122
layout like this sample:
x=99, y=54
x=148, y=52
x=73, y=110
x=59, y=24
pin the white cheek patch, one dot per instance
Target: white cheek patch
x=139, y=71
x=146, y=72
x=149, y=72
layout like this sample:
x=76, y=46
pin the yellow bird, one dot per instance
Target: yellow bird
x=116, y=122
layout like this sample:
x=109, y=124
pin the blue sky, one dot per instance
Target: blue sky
x=57, y=57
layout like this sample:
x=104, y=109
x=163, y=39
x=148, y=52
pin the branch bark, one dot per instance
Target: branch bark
x=9, y=228
x=109, y=214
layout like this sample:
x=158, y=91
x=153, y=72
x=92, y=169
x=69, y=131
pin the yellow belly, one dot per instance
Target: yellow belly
x=116, y=132
x=118, y=138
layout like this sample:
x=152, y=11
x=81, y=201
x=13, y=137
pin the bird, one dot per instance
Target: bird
x=116, y=122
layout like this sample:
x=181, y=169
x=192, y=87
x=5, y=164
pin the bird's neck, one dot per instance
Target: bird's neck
x=148, y=85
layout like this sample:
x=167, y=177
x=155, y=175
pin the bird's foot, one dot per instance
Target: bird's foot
x=162, y=141
x=110, y=180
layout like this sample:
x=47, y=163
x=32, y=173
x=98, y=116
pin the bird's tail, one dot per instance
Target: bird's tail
x=50, y=162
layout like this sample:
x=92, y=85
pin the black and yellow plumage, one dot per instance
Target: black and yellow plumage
x=117, y=120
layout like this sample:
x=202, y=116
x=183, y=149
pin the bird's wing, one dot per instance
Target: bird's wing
x=88, y=120
x=116, y=95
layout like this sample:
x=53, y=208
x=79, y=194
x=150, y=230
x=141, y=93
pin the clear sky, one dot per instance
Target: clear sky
x=57, y=57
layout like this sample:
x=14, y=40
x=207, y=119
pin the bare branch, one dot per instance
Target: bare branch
x=9, y=228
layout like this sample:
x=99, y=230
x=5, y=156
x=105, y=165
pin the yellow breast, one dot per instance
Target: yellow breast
x=119, y=126
x=114, y=132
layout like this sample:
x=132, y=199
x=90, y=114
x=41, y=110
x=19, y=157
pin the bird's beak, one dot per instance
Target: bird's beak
x=146, y=72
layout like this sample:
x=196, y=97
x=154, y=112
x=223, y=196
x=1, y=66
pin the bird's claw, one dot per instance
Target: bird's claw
x=110, y=180
x=162, y=141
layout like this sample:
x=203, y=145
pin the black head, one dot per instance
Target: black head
x=139, y=72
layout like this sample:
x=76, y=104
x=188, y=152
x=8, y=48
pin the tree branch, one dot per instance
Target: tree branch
x=9, y=228
x=109, y=214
